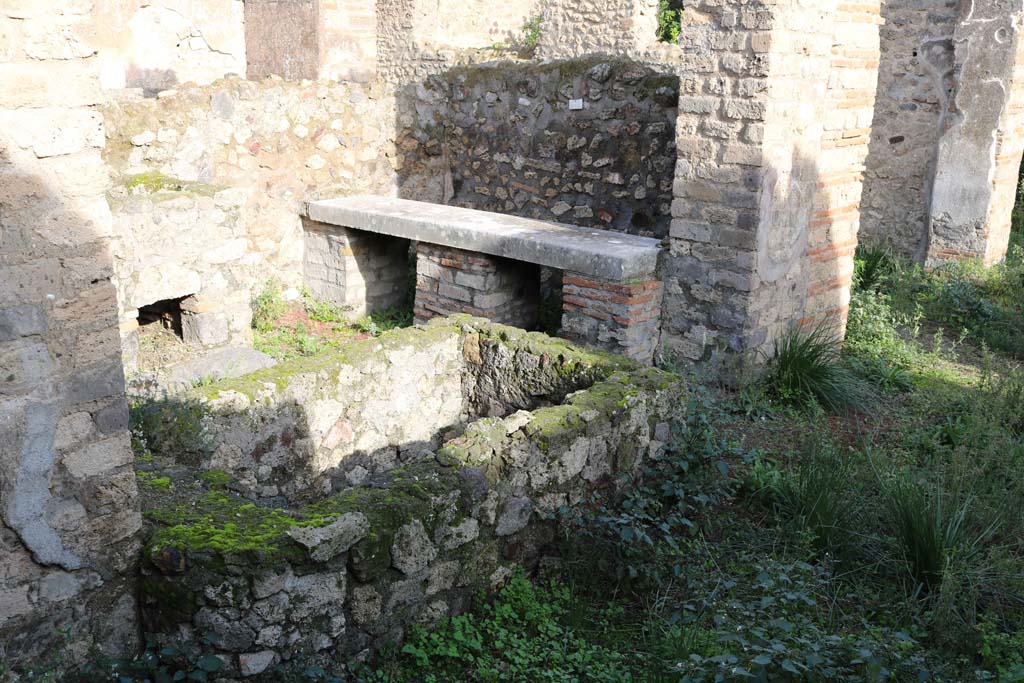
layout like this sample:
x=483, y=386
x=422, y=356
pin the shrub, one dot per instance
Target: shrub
x=806, y=368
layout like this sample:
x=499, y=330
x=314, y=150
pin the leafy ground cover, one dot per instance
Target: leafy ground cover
x=853, y=516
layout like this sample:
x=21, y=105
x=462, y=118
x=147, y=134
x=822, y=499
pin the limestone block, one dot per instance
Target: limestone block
x=98, y=458
x=324, y=543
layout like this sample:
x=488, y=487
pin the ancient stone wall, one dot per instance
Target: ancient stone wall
x=915, y=78
x=418, y=38
x=347, y=574
x=158, y=44
x=208, y=184
x=348, y=40
x=979, y=153
x=68, y=504
x=628, y=29
x=588, y=142
x=946, y=137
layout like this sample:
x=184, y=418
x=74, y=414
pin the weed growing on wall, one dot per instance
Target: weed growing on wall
x=670, y=15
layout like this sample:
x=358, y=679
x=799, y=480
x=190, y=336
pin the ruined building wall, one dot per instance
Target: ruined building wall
x=505, y=138
x=946, y=137
x=208, y=183
x=771, y=145
x=979, y=152
x=311, y=39
x=158, y=44
x=915, y=78
x=68, y=502
x=418, y=38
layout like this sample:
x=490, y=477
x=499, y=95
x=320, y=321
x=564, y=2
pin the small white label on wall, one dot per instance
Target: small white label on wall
x=575, y=105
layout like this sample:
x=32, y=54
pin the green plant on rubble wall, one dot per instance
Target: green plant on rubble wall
x=172, y=427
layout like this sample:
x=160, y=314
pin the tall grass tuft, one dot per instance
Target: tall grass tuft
x=806, y=367
x=818, y=498
x=870, y=267
x=932, y=533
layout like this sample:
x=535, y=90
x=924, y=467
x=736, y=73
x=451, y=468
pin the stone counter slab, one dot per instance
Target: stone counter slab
x=600, y=253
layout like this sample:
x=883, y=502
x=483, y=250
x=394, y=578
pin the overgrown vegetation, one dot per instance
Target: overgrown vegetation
x=851, y=517
x=305, y=326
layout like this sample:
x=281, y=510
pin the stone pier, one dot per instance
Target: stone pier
x=450, y=281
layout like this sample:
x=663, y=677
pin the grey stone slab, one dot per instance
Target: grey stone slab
x=225, y=363
x=598, y=253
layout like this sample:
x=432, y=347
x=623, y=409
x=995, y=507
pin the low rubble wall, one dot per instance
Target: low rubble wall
x=343, y=576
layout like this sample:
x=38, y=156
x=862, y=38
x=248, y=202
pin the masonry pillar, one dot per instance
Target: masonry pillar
x=450, y=281
x=69, y=510
x=772, y=136
x=360, y=272
x=979, y=151
x=624, y=318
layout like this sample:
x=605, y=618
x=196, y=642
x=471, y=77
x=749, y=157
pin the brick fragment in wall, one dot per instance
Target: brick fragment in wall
x=621, y=317
x=455, y=281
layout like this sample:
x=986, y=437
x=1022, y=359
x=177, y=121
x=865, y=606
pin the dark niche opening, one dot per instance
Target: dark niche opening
x=164, y=315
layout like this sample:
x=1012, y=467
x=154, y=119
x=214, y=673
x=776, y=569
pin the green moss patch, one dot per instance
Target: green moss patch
x=155, y=182
x=224, y=525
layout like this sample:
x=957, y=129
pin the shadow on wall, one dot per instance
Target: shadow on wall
x=403, y=532
x=68, y=503
x=739, y=277
x=589, y=142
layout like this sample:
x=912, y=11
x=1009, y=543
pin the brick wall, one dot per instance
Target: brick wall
x=359, y=271
x=622, y=317
x=450, y=281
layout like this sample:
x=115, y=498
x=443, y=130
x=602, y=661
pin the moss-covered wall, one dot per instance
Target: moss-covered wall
x=312, y=424
x=352, y=571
